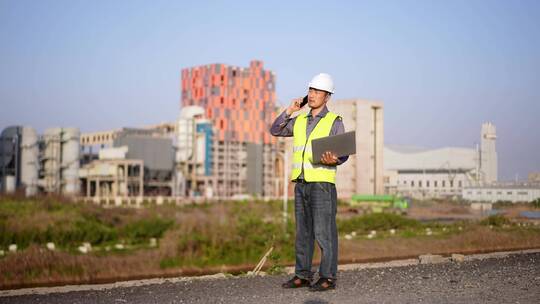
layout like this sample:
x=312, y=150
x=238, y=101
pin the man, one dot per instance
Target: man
x=315, y=193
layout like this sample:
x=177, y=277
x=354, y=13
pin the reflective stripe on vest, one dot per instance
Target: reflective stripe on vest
x=302, y=154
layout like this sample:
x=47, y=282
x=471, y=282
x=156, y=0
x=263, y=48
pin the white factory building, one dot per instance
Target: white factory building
x=444, y=172
x=507, y=193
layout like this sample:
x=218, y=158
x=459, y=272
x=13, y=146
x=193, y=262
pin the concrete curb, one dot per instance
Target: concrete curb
x=137, y=283
x=409, y=262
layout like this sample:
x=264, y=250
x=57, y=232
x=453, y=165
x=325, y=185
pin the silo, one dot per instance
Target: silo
x=52, y=159
x=29, y=160
x=9, y=182
x=70, y=161
x=10, y=159
x=185, y=132
x=184, y=139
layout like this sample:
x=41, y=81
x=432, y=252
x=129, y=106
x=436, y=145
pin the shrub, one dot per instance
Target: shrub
x=275, y=267
x=244, y=239
x=62, y=235
x=502, y=204
x=495, y=220
x=145, y=229
x=67, y=224
x=92, y=231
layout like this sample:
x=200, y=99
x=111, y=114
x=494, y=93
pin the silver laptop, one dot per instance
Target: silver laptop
x=341, y=145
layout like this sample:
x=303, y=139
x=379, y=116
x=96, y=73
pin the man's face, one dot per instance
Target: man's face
x=317, y=98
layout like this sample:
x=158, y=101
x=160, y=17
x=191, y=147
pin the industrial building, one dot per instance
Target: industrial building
x=59, y=159
x=444, y=172
x=222, y=147
x=112, y=176
x=129, y=162
x=194, y=154
x=92, y=142
x=240, y=103
x=19, y=164
x=506, y=193
x=219, y=147
x=45, y=164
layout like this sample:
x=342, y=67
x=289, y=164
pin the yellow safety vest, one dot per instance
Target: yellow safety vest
x=302, y=154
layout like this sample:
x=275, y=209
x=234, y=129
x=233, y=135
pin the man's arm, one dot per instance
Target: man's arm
x=339, y=128
x=328, y=157
x=283, y=125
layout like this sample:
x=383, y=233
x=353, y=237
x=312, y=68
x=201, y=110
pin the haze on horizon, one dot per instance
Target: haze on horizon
x=442, y=68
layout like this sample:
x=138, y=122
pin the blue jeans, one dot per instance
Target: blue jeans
x=315, y=206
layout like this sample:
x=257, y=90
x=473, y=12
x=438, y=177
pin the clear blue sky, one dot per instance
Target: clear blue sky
x=440, y=67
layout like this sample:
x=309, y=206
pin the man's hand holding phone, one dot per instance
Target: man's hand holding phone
x=296, y=105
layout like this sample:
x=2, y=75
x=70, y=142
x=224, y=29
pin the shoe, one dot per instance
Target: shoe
x=323, y=284
x=296, y=282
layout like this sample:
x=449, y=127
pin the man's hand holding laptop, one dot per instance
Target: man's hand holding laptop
x=329, y=158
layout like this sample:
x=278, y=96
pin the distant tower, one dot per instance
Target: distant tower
x=488, y=153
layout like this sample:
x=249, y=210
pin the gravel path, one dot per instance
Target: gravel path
x=511, y=279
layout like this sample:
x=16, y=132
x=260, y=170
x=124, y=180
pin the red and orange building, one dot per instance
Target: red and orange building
x=240, y=101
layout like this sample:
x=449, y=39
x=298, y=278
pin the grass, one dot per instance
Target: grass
x=38, y=221
x=403, y=227
x=377, y=221
x=241, y=235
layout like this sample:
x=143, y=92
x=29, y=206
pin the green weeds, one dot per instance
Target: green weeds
x=67, y=224
x=495, y=221
x=377, y=221
x=243, y=240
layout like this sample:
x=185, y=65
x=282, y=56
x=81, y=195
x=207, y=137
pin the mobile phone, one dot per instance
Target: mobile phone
x=304, y=101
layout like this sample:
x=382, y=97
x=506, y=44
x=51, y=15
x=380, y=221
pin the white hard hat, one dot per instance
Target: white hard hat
x=322, y=82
